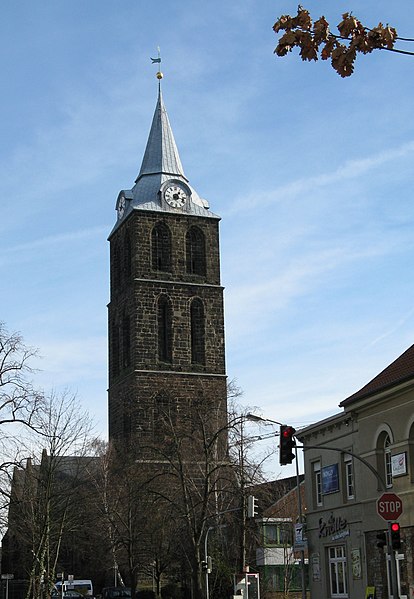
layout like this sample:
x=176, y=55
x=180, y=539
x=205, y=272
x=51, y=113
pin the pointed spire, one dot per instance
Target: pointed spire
x=161, y=154
x=161, y=163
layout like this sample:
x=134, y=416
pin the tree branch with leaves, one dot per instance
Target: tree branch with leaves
x=315, y=40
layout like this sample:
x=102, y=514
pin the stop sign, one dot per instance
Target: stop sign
x=389, y=506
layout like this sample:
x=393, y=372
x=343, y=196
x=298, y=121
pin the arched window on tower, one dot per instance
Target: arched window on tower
x=161, y=247
x=116, y=267
x=115, y=349
x=197, y=332
x=126, y=341
x=195, y=246
x=127, y=255
x=164, y=322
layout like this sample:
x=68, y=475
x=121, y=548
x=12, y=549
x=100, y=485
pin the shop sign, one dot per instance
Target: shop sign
x=300, y=537
x=356, y=564
x=330, y=479
x=399, y=464
x=316, y=568
x=334, y=526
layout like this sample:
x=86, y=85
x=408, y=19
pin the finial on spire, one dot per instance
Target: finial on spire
x=158, y=60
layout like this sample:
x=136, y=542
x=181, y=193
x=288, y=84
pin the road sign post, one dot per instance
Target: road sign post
x=390, y=507
x=7, y=577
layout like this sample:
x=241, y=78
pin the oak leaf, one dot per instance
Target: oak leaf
x=321, y=30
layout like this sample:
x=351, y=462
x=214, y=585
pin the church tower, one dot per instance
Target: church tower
x=166, y=321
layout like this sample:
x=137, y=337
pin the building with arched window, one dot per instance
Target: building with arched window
x=351, y=459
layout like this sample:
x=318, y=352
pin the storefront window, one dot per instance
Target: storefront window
x=337, y=571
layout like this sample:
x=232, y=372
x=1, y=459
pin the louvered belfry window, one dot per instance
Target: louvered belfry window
x=115, y=349
x=127, y=255
x=161, y=247
x=126, y=341
x=195, y=252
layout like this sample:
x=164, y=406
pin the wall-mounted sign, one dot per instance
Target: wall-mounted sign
x=300, y=542
x=335, y=525
x=399, y=464
x=330, y=479
x=356, y=564
x=316, y=567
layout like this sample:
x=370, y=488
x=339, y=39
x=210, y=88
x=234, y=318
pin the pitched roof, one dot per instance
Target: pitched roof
x=400, y=371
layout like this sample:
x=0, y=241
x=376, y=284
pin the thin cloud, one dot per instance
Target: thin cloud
x=351, y=169
x=402, y=321
x=52, y=240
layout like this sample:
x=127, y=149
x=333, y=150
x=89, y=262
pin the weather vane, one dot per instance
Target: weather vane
x=158, y=60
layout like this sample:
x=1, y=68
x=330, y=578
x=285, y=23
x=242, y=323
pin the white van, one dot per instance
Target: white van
x=82, y=586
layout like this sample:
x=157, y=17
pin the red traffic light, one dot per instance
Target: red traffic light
x=288, y=431
x=287, y=443
x=395, y=535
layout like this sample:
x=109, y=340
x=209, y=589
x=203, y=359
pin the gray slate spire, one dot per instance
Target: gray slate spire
x=161, y=154
x=161, y=163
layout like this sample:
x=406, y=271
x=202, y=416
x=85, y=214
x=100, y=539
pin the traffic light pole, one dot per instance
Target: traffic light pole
x=302, y=552
x=393, y=563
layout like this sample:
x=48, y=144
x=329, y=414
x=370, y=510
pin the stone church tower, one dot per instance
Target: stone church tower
x=166, y=321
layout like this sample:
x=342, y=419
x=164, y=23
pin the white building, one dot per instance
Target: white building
x=351, y=459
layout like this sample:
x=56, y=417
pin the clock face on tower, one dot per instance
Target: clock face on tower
x=175, y=195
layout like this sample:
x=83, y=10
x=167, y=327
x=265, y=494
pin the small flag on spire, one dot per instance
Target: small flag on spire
x=154, y=60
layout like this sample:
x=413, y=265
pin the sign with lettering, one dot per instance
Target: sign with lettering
x=330, y=479
x=300, y=537
x=389, y=506
x=334, y=526
x=399, y=464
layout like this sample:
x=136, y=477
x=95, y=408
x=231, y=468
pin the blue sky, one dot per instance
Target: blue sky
x=311, y=174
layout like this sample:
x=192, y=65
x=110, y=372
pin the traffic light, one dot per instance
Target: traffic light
x=381, y=540
x=286, y=444
x=207, y=565
x=395, y=535
x=251, y=506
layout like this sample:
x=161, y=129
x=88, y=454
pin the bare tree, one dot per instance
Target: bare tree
x=20, y=403
x=44, y=509
x=187, y=481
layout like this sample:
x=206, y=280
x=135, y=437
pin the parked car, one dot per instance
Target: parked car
x=116, y=593
x=70, y=594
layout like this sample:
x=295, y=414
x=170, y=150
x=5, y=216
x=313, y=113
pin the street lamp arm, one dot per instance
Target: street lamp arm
x=354, y=455
x=256, y=418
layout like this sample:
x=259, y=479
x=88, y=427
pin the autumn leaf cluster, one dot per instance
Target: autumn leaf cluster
x=314, y=39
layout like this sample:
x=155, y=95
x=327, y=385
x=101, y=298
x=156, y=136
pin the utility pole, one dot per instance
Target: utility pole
x=393, y=563
x=243, y=499
x=302, y=552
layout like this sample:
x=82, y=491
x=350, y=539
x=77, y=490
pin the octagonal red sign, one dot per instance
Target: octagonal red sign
x=389, y=506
